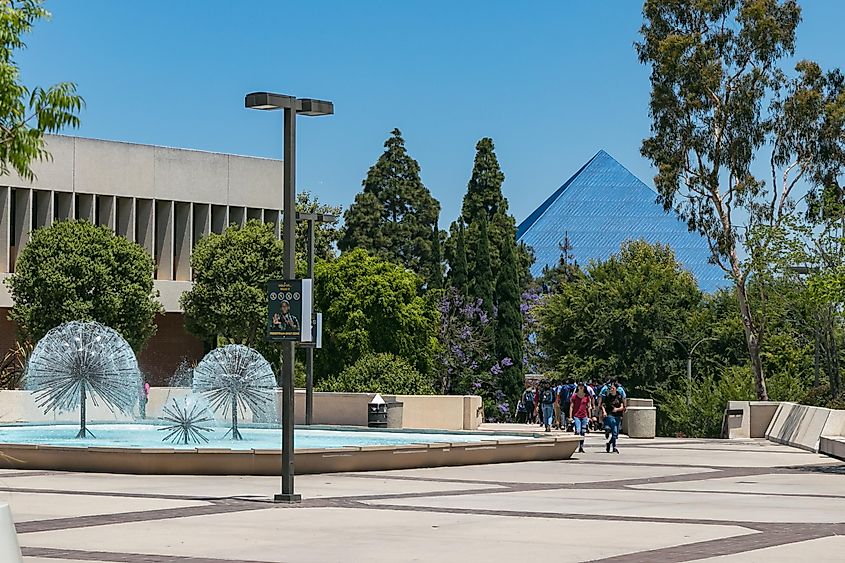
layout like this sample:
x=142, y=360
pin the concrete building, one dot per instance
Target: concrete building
x=164, y=199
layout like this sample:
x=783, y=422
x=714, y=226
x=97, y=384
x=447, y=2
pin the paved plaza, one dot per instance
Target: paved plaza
x=659, y=500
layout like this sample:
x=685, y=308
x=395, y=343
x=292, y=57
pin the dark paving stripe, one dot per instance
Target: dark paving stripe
x=50, y=553
x=775, y=535
x=106, y=494
x=137, y=516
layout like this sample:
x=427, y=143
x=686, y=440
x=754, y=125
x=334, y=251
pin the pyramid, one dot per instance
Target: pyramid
x=600, y=207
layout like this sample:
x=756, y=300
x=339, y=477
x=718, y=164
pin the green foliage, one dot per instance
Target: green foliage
x=509, y=324
x=394, y=216
x=719, y=98
x=229, y=295
x=484, y=199
x=612, y=322
x=74, y=271
x=326, y=235
x=458, y=274
x=823, y=396
x=371, y=306
x=702, y=416
x=27, y=114
x=481, y=286
x=379, y=373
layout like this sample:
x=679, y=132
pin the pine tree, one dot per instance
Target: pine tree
x=481, y=284
x=509, y=323
x=458, y=265
x=395, y=214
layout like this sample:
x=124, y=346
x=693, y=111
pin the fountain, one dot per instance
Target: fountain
x=186, y=416
x=234, y=378
x=78, y=360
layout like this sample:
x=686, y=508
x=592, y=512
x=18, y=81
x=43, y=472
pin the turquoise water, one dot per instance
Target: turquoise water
x=149, y=436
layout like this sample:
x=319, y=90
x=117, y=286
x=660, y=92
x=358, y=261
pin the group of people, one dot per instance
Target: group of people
x=578, y=407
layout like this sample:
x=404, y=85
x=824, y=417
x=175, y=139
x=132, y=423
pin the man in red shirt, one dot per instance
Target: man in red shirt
x=579, y=412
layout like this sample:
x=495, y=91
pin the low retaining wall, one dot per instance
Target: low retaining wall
x=206, y=461
x=814, y=429
x=439, y=412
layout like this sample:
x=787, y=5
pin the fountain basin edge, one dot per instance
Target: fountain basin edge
x=219, y=461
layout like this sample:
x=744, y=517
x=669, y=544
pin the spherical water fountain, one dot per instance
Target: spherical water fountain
x=236, y=378
x=80, y=360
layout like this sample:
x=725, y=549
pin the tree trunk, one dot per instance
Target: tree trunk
x=752, y=339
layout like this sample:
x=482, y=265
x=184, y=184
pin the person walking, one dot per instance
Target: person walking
x=579, y=412
x=528, y=403
x=547, y=402
x=612, y=406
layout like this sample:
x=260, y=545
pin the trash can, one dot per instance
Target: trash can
x=395, y=412
x=377, y=413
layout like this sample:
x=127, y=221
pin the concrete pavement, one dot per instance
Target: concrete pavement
x=659, y=500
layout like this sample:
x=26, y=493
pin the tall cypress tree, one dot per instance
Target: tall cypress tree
x=509, y=323
x=484, y=199
x=458, y=277
x=435, y=278
x=481, y=285
x=395, y=214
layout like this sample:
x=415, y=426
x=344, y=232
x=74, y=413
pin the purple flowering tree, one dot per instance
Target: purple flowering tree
x=464, y=361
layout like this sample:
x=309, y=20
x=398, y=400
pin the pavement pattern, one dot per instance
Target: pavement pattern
x=662, y=500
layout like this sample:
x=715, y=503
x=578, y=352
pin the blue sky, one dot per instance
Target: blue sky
x=551, y=82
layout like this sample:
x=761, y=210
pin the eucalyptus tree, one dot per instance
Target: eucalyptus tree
x=720, y=102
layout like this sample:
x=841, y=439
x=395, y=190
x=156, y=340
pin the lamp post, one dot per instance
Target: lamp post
x=311, y=219
x=291, y=106
x=689, y=352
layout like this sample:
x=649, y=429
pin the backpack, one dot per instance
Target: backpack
x=528, y=396
x=548, y=396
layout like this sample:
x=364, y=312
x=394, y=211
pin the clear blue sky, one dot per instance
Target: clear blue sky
x=551, y=82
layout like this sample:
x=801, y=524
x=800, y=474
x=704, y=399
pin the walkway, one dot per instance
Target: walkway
x=661, y=500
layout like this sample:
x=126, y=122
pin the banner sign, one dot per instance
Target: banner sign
x=288, y=303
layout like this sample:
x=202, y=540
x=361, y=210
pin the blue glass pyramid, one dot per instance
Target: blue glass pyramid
x=600, y=207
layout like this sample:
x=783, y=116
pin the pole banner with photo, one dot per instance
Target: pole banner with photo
x=284, y=310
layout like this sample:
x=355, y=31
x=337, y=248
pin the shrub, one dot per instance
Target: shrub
x=702, y=416
x=379, y=373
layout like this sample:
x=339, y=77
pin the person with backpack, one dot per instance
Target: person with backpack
x=579, y=412
x=528, y=404
x=547, y=402
x=612, y=406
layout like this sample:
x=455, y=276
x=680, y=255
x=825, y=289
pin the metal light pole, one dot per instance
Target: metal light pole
x=311, y=219
x=291, y=106
x=689, y=352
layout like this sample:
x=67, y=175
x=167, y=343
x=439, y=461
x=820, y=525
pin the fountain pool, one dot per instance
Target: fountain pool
x=135, y=448
x=149, y=435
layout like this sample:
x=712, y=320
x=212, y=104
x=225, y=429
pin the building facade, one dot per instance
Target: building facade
x=164, y=199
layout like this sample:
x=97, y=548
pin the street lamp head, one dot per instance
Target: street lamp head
x=308, y=106
x=269, y=101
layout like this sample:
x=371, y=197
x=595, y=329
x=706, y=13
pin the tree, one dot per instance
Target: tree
x=27, y=114
x=613, y=321
x=326, y=235
x=395, y=215
x=371, y=305
x=379, y=373
x=436, y=279
x=484, y=199
x=229, y=295
x=509, y=324
x=719, y=97
x=481, y=284
x=74, y=271
x=458, y=275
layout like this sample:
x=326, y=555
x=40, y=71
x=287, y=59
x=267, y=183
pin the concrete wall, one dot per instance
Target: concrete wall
x=754, y=420
x=439, y=412
x=159, y=197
